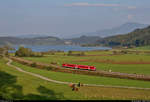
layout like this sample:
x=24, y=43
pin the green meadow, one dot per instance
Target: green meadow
x=102, y=60
x=85, y=79
x=143, y=48
x=15, y=85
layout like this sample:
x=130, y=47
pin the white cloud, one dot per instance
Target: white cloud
x=85, y=4
x=131, y=7
x=130, y=17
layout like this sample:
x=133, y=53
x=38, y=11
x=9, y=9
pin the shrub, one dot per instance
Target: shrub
x=69, y=53
x=114, y=52
x=33, y=64
x=82, y=54
x=48, y=68
x=124, y=52
x=55, y=63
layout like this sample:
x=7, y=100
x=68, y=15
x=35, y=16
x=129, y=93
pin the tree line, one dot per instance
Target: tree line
x=27, y=52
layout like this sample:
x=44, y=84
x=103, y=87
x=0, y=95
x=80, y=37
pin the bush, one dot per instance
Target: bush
x=82, y=54
x=33, y=64
x=124, y=52
x=69, y=53
x=48, y=68
x=55, y=63
x=114, y=52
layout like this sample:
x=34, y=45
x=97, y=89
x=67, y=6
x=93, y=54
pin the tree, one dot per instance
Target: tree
x=4, y=51
x=82, y=53
x=69, y=53
x=26, y=52
x=23, y=52
x=1, y=52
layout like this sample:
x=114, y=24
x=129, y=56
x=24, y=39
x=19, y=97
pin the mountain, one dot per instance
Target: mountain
x=30, y=35
x=83, y=40
x=123, y=29
x=31, y=41
x=139, y=37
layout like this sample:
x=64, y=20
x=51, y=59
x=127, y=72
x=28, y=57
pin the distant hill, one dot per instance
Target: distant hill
x=89, y=38
x=83, y=40
x=47, y=40
x=123, y=29
x=31, y=41
x=30, y=35
x=139, y=37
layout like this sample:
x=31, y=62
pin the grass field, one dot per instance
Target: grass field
x=143, y=48
x=126, y=63
x=67, y=77
x=17, y=85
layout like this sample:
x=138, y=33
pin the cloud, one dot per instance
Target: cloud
x=131, y=7
x=130, y=17
x=85, y=4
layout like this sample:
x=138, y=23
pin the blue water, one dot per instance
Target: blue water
x=62, y=48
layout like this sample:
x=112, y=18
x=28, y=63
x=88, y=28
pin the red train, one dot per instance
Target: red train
x=74, y=66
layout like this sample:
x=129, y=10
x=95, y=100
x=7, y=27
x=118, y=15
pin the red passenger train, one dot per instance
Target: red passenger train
x=74, y=66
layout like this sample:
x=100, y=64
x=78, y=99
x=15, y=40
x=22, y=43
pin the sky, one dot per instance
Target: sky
x=69, y=17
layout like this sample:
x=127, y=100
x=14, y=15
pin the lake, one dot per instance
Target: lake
x=62, y=48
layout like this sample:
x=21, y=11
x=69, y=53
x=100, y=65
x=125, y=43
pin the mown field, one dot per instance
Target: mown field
x=143, y=48
x=17, y=85
x=85, y=79
x=103, y=60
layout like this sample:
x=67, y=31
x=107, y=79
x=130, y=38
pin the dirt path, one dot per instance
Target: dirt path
x=60, y=82
x=33, y=74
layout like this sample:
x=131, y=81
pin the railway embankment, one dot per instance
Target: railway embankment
x=84, y=72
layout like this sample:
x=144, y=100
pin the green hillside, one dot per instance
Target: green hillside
x=139, y=37
x=49, y=40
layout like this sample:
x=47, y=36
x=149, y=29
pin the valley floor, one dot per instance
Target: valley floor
x=17, y=85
